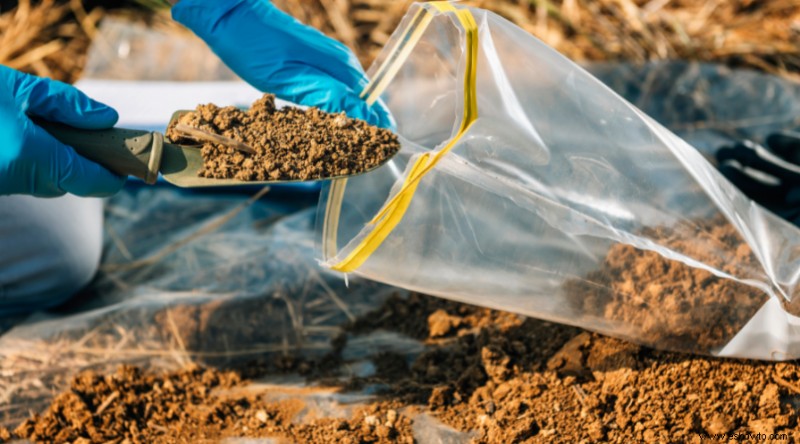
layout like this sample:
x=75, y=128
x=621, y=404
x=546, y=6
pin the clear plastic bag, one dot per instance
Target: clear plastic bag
x=525, y=184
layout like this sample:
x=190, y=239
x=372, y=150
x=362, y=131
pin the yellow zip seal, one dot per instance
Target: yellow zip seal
x=392, y=213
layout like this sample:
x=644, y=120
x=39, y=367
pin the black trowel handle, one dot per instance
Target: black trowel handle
x=123, y=151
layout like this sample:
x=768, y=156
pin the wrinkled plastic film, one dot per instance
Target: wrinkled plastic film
x=534, y=200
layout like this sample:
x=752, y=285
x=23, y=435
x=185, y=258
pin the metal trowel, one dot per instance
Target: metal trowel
x=144, y=154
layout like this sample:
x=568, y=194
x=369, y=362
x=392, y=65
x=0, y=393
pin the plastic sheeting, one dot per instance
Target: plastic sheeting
x=218, y=280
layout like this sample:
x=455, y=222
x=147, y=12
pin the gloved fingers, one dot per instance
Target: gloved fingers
x=785, y=144
x=60, y=169
x=59, y=102
x=756, y=157
x=754, y=184
x=319, y=90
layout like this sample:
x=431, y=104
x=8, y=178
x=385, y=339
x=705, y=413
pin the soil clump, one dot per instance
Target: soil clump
x=290, y=143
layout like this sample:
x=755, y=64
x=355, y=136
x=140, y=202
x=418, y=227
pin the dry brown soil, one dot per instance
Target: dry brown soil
x=192, y=405
x=291, y=143
x=514, y=379
x=666, y=303
x=507, y=378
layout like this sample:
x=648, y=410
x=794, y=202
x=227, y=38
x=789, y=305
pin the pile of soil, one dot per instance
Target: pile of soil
x=504, y=377
x=192, y=405
x=666, y=303
x=291, y=143
x=516, y=379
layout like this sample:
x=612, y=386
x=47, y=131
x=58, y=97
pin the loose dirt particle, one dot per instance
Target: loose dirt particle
x=290, y=143
x=440, y=323
x=719, y=424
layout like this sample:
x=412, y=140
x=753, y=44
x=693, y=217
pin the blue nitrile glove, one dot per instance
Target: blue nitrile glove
x=276, y=53
x=31, y=160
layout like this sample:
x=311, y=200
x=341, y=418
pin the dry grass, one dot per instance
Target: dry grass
x=51, y=37
x=48, y=38
x=760, y=34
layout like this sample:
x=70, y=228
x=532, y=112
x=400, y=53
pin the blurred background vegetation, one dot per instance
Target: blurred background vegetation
x=51, y=37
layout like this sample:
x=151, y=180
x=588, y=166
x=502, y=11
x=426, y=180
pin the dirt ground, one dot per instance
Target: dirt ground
x=503, y=377
x=288, y=143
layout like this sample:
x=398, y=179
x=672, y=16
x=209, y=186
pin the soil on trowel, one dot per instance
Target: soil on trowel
x=666, y=303
x=194, y=405
x=290, y=143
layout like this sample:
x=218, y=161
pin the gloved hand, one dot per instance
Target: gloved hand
x=770, y=174
x=275, y=53
x=31, y=160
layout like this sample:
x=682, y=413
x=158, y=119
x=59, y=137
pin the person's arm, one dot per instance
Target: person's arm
x=34, y=162
x=276, y=53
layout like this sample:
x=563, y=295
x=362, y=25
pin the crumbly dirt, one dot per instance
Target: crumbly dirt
x=666, y=303
x=193, y=405
x=291, y=143
x=516, y=379
x=504, y=377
